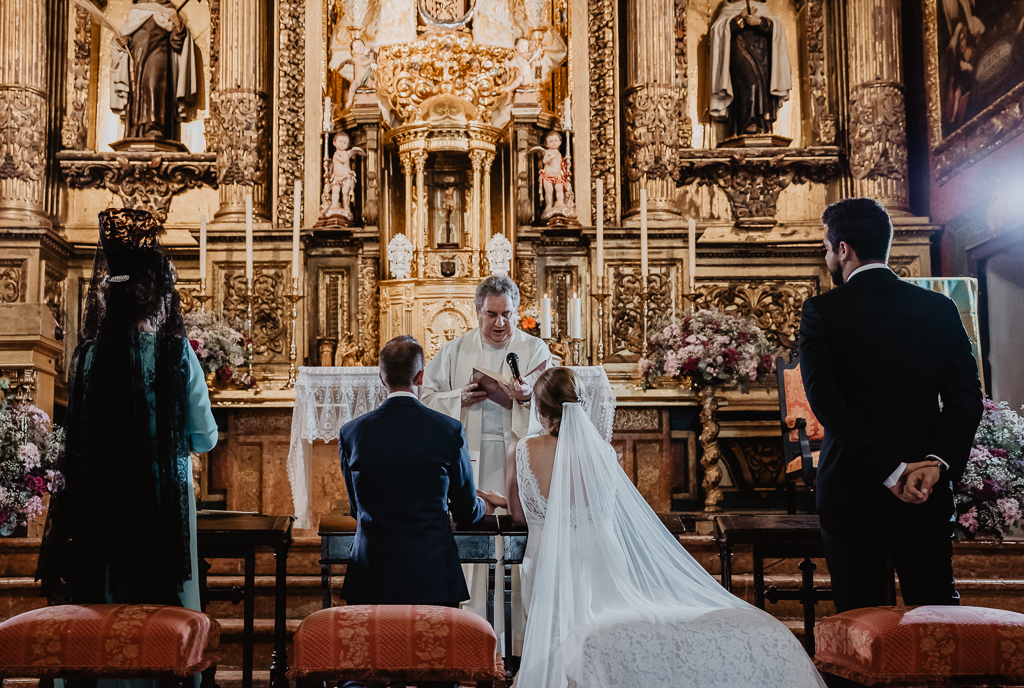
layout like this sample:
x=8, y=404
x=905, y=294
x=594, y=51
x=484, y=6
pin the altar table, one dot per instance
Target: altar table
x=328, y=397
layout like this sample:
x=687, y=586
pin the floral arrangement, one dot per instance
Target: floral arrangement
x=29, y=447
x=529, y=318
x=710, y=347
x=218, y=345
x=989, y=498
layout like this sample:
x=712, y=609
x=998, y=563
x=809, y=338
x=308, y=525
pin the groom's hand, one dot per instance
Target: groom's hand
x=913, y=494
x=472, y=394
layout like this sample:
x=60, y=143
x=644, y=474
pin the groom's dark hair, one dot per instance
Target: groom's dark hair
x=401, y=360
x=863, y=224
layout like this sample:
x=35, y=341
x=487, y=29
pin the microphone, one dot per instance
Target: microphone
x=513, y=364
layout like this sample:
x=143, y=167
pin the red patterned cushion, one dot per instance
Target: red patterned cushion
x=926, y=646
x=107, y=641
x=797, y=406
x=392, y=642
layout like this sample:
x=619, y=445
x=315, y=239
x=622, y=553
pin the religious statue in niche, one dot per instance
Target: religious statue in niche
x=347, y=353
x=499, y=254
x=524, y=64
x=448, y=232
x=153, y=76
x=400, y=256
x=359, y=67
x=555, y=181
x=750, y=76
x=340, y=180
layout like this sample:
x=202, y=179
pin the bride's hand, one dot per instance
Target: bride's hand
x=493, y=500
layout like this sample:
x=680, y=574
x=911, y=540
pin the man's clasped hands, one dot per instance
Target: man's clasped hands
x=917, y=481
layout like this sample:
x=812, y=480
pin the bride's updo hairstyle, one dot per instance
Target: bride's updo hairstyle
x=557, y=386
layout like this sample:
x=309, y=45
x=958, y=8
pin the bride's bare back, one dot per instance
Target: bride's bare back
x=541, y=455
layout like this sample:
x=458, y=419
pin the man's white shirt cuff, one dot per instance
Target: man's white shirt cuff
x=895, y=477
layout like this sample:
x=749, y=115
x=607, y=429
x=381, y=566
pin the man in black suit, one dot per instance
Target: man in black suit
x=890, y=375
x=406, y=468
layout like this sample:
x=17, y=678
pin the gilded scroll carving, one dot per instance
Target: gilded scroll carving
x=637, y=420
x=527, y=282
x=823, y=121
x=652, y=136
x=22, y=134
x=241, y=135
x=75, y=129
x=146, y=181
x=12, y=282
x=187, y=297
x=369, y=314
x=775, y=306
x=269, y=327
x=878, y=132
x=627, y=305
x=214, y=115
x=291, y=104
x=684, y=128
x=603, y=104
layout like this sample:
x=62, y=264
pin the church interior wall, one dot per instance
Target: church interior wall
x=1004, y=286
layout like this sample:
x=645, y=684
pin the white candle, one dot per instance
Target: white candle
x=575, y=317
x=248, y=236
x=545, y=317
x=643, y=235
x=327, y=114
x=600, y=228
x=691, y=227
x=296, y=225
x=202, y=247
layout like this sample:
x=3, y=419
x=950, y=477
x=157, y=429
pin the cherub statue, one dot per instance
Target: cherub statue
x=340, y=179
x=364, y=69
x=524, y=63
x=555, y=178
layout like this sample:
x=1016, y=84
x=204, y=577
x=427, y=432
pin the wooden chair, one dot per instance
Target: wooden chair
x=923, y=646
x=401, y=643
x=109, y=641
x=801, y=431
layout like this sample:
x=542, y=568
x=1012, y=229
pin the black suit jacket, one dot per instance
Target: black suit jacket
x=876, y=354
x=405, y=468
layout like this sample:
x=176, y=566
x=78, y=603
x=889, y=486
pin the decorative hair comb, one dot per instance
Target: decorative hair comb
x=127, y=228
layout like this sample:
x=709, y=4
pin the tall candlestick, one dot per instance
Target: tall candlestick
x=545, y=317
x=296, y=225
x=575, y=317
x=248, y=236
x=328, y=118
x=643, y=235
x=691, y=227
x=600, y=228
x=202, y=246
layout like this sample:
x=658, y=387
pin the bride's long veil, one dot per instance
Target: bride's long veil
x=606, y=558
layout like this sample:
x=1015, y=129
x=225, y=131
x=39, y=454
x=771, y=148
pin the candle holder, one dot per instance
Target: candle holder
x=644, y=298
x=294, y=297
x=600, y=295
x=570, y=346
x=249, y=354
x=203, y=296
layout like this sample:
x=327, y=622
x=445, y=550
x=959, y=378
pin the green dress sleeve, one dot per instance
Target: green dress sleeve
x=202, y=428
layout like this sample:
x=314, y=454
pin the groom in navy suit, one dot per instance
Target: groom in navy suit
x=406, y=468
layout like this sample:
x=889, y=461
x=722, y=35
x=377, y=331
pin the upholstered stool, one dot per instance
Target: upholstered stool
x=923, y=646
x=108, y=641
x=396, y=643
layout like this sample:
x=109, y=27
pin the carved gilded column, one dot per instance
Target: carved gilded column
x=420, y=241
x=653, y=107
x=242, y=103
x=877, y=114
x=23, y=117
x=477, y=158
x=486, y=210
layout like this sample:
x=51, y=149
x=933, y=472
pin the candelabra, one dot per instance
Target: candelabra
x=294, y=297
x=203, y=296
x=600, y=295
x=249, y=354
x=644, y=298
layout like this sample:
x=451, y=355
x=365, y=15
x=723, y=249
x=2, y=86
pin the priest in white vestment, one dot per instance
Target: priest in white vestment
x=490, y=426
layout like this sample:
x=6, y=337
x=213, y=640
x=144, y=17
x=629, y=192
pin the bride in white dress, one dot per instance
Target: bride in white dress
x=613, y=599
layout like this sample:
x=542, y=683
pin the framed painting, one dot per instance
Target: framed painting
x=974, y=69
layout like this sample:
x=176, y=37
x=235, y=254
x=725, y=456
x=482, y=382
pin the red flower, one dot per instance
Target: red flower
x=689, y=366
x=194, y=344
x=35, y=484
x=224, y=373
x=730, y=356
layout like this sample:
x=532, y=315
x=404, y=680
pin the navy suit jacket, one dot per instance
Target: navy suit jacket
x=875, y=355
x=406, y=467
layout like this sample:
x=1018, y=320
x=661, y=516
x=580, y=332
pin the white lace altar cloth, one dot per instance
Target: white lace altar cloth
x=328, y=397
